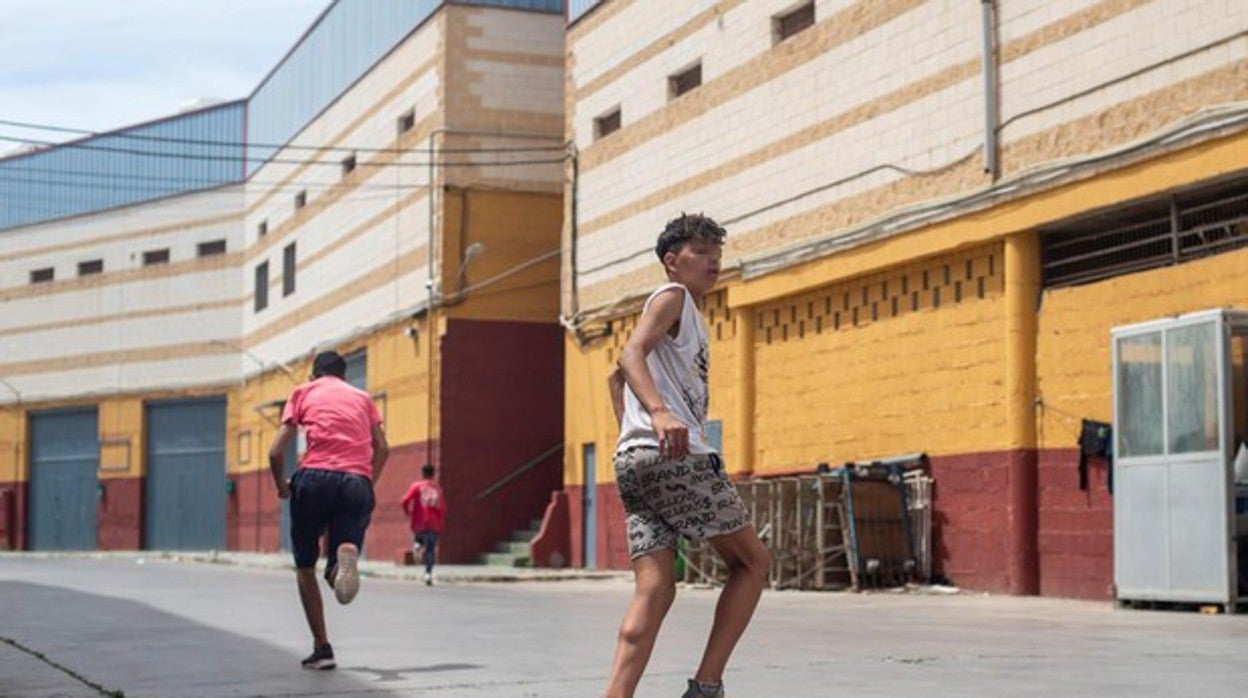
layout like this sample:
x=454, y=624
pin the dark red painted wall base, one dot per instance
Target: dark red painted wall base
x=253, y=513
x=13, y=516
x=119, y=522
x=1073, y=554
x=501, y=410
x=1076, y=528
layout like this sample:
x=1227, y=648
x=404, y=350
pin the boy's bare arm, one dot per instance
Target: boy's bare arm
x=663, y=314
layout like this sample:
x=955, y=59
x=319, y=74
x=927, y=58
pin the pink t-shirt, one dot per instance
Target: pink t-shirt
x=338, y=420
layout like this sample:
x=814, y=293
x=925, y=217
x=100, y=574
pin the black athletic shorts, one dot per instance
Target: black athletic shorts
x=327, y=499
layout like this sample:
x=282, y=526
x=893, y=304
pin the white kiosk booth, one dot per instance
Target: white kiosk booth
x=1180, y=419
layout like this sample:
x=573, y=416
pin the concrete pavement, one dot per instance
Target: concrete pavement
x=160, y=627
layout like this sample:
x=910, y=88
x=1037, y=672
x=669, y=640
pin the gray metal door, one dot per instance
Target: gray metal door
x=289, y=463
x=590, y=507
x=64, y=480
x=185, y=502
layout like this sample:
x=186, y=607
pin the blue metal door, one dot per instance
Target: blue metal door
x=186, y=490
x=64, y=480
x=590, y=506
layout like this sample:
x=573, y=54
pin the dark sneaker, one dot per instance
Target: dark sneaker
x=697, y=690
x=330, y=573
x=347, y=579
x=321, y=658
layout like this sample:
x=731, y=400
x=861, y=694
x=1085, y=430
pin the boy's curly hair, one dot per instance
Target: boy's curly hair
x=689, y=226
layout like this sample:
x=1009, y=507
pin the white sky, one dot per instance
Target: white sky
x=99, y=65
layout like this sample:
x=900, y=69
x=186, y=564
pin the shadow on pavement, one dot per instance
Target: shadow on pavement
x=115, y=644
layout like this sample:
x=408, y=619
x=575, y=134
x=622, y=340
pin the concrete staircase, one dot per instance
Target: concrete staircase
x=513, y=552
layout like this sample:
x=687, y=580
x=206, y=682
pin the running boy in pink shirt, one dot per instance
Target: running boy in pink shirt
x=332, y=488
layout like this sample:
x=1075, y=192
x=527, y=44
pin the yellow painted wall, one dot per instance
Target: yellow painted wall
x=12, y=445
x=520, y=232
x=910, y=359
x=122, y=443
x=1073, y=357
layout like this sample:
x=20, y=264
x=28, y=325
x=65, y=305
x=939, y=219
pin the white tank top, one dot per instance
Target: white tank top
x=679, y=367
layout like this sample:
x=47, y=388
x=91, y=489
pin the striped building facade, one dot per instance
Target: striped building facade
x=397, y=197
x=936, y=211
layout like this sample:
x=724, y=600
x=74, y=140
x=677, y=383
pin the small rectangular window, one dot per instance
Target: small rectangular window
x=288, y=269
x=210, y=248
x=262, y=229
x=39, y=276
x=684, y=81
x=407, y=121
x=262, y=286
x=348, y=164
x=794, y=21
x=607, y=124
x=156, y=257
x=301, y=199
x=90, y=267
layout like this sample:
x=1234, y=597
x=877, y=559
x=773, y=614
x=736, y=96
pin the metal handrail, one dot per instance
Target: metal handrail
x=519, y=471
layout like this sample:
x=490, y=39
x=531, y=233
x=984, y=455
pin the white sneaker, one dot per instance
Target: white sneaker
x=347, y=580
x=428, y=579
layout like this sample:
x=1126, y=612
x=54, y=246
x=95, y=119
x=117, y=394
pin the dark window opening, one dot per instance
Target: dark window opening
x=684, y=81
x=407, y=121
x=262, y=286
x=607, y=124
x=210, y=248
x=90, y=267
x=348, y=165
x=39, y=276
x=288, y=269
x=795, y=21
x=152, y=257
x=301, y=200
x=262, y=229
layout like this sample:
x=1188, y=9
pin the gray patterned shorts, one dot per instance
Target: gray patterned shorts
x=664, y=499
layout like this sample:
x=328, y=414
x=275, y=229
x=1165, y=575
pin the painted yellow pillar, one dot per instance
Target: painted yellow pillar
x=743, y=430
x=1022, y=291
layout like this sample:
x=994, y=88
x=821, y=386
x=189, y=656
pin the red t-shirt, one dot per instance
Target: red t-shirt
x=338, y=420
x=426, y=505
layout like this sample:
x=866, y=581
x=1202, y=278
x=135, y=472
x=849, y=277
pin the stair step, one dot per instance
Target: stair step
x=505, y=560
x=519, y=548
x=525, y=535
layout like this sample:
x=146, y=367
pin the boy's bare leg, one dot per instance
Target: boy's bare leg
x=748, y=562
x=310, y=596
x=652, y=597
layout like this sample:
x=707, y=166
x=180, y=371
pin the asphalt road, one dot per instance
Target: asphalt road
x=81, y=628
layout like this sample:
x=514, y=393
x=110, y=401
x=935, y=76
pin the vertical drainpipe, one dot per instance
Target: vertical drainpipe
x=1022, y=291
x=745, y=390
x=430, y=287
x=988, y=62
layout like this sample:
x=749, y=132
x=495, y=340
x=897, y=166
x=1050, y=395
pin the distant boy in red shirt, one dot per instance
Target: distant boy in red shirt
x=426, y=507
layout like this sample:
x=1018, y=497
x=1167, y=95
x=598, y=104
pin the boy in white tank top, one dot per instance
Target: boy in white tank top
x=670, y=479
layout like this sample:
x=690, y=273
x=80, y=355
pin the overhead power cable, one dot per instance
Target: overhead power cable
x=346, y=149
x=240, y=159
